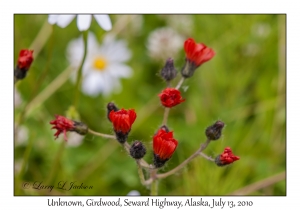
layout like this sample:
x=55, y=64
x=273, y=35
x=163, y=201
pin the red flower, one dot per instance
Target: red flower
x=25, y=59
x=227, y=157
x=62, y=124
x=164, y=144
x=122, y=120
x=170, y=97
x=197, y=53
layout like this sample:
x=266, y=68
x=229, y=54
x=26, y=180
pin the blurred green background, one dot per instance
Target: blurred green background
x=244, y=85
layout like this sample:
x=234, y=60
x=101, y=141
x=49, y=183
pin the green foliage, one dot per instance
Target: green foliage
x=243, y=85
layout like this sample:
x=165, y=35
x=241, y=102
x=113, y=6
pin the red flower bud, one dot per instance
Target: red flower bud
x=63, y=124
x=164, y=146
x=170, y=97
x=25, y=59
x=196, y=54
x=227, y=157
x=122, y=121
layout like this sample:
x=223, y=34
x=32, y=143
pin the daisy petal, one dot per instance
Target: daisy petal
x=93, y=83
x=104, y=22
x=52, y=19
x=84, y=22
x=75, y=50
x=111, y=85
x=64, y=20
x=119, y=70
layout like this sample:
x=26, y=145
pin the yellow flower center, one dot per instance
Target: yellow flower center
x=100, y=63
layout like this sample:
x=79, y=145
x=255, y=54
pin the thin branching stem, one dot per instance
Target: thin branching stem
x=107, y=136
x=180, y=83
x=174, y=170
x=154, y=183
x=166, y=114
x=79, y=73
x=126, y=146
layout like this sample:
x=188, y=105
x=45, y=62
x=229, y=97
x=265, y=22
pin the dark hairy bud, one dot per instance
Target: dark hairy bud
x=168, y=72
x=214, y=131
x=137, y=150
x=111, y=106
x=80, y=128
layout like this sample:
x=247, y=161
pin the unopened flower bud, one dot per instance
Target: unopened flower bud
x=137, y=150
x=164, y=145
x=122, y=121
x=214, y=131
x=195, y=56
x=24, y=61
x=168, y=72
x=80, y=128
x=227, y=157
x=111, y=106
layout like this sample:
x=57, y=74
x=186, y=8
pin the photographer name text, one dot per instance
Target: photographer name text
x=62, y=185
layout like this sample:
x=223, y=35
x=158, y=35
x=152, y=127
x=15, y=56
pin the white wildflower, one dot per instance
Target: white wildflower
x=134, y=193
x=83, y=21
x=104, y=65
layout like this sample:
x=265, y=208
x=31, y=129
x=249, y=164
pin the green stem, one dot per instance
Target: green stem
x=46, y=69
x=79, y=73
x=24, y=164
x=166, y=114
x=198, y=152
x=126, y=146
x=101, y=134
x=154, y=184
x=41, y=38
x=47, y=92
x=141, y=174
x=180, y=83
x=56, y=161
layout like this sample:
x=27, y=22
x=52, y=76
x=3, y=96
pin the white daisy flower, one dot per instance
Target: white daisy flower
x=104, y=65
x=164, y=43
x=83, y=21
x=134, y=193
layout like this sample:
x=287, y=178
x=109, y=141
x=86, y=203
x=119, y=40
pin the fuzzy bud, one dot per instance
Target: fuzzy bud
x=214, y=131
x=137, y=150
x=80, y=128
x=110, y=107
x=168, y=72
